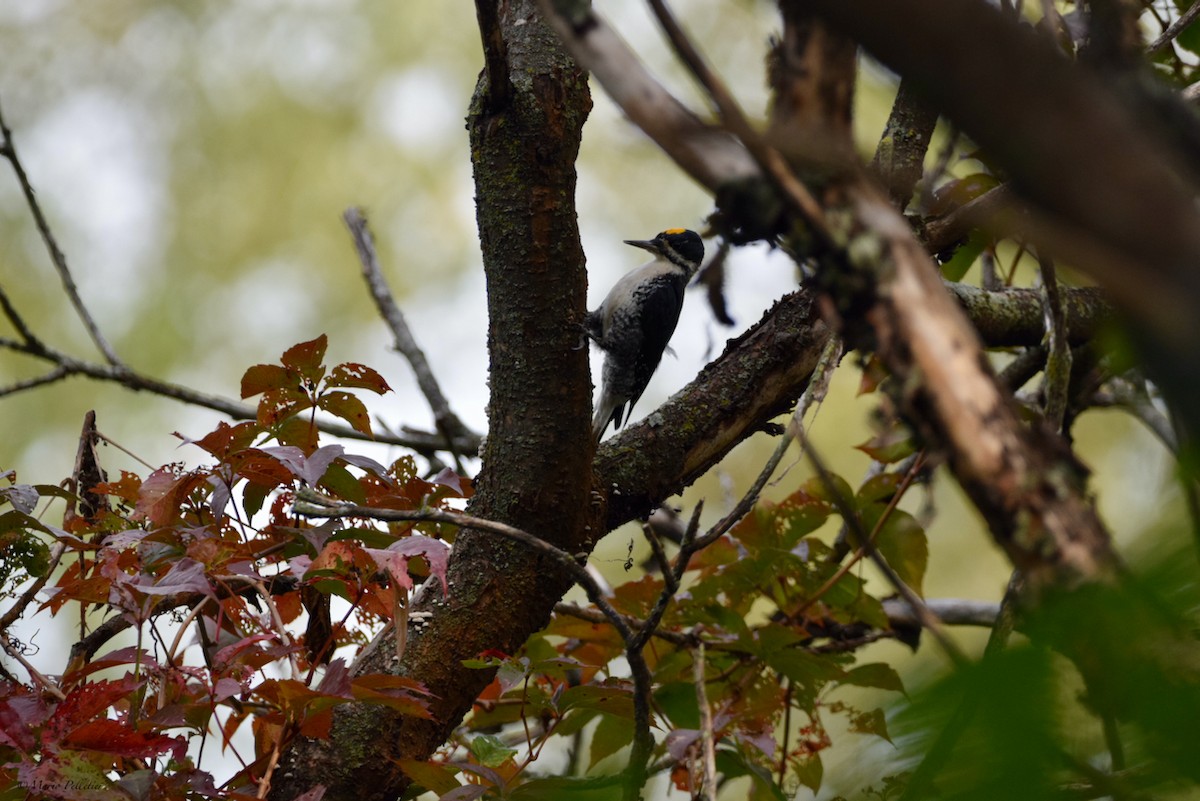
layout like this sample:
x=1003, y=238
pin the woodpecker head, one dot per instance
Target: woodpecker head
x=679, y=246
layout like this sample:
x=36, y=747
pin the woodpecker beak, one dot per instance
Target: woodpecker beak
x=645, y=244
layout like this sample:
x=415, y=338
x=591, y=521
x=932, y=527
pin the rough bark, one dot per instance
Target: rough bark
x=525, y=124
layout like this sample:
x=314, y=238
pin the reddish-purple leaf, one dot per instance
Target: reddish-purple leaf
x=396, y=692
x=20, y=714
x=368, y=464
x=163, y=492
x=115, y=737
x=315, y=794
x=23, y=497
x=357, y=376
x=185, y=576
x=226, y=688
x=289, y=456
x=465, y=792
x=336, y=680
x=280, y=404
x=318, y=462
x=70, y=776
x=394, y=558
x=448, y=478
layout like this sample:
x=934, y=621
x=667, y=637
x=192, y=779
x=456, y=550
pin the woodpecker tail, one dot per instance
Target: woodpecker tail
x=609, y=409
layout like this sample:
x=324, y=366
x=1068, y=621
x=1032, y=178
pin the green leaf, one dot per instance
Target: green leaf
x=733, y=764
x=611, y=734
x=903, y=544
x=889, y=446
x=873, y=722
x=678, y=701
x=954, y=268
x=490, y=751
x=817, y=488
x=342, y=484
x=560, y=788
x=809, y=770
x=610, y=700
x=347, y=407
x=437, y=778
x=875, y=674
x=810, y=671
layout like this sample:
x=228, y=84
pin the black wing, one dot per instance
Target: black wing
x=660, y=314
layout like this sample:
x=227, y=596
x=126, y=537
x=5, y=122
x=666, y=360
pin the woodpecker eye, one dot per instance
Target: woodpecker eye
x=684, y=242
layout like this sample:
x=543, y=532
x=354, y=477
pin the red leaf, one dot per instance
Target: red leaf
x=20, y=713
x=114, y=737
x=336, y=680
x=85, y=703
x=224, y=439
x=347, y=407
x=162, y=493
x=306, y=358
x=357, y=376
x=265, y=377
x=280, y=404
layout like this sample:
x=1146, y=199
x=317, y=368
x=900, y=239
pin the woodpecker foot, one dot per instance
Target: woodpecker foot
x=584, y=336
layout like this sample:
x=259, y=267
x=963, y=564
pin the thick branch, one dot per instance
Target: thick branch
x=1108, y=178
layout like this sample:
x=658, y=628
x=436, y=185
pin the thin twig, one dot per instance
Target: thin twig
x=68, y=366
x=18, y=609
x=18, y=322
x=840, y=573
x=708, y=787
x=447, y=421
x=1057, y=375
x=1177, y=27
x=43, y=681
x=818, y=384
x=8, y=149
x=845, y=507
x=313, y=504
x=770, y=160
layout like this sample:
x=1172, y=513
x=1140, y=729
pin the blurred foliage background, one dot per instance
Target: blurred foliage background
x=194, y=159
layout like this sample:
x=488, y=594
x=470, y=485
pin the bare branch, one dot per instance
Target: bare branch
x=900, y=156
x=8, y=149
x=708, y=154
x=447, y=421
x=67, y=366
x=707, y=740
x=1057, y=375
x=1177, y=27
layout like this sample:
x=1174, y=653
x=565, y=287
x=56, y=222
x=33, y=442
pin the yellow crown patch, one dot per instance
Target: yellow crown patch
x=674, y=230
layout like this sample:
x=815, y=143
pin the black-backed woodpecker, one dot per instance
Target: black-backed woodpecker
x=636, y=320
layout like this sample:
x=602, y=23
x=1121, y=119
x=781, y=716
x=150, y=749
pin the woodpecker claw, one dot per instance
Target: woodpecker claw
x=584, y=336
